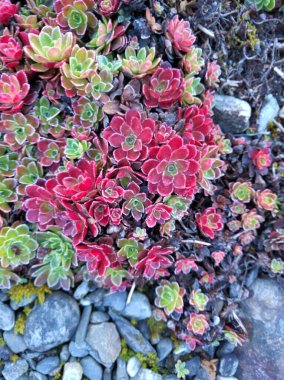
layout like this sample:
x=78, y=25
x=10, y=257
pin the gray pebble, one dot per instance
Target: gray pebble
x=267, y=113
x=15, y=342
x=12, y=371
x=37, y=376
x=164, y=348
x=78, y=350
x=225, y=348
x=228, y=365
x=193, y=365
x=72, y=371
x=83, y=325
x=116, y=301
x=133, y=366
x=91, y=369
x=99, y=317
x=138, y=308
x=7, y=317
x=64, y=353
x=47, y=365
x=121, y=372
x=82, y=290
x=147, y=374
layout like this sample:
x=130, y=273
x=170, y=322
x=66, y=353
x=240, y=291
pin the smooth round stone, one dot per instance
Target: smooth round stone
x=37, y=376
x=164, y=348
x=14, y=370
x=47, y=365
x=225, y=348
x=99, y=317
x=72, y=371
x=91, y=369
x=228, y=365
x=7, y=317
x=147, y=374
x=15, y=342
x=52, y=323
x=133, y=366
x=82, y=290
x=138, y=308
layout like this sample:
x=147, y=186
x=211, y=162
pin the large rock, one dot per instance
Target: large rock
x=52, y=323
x=133, y=337
x=232, y=114
x=105, y=342
x=262, y=357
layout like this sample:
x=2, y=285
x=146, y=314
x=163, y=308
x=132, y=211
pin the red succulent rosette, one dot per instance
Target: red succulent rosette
x=98, y=257
x=108, y=7
x=165, y=87
x=130, y=136
x=172, y=168
x=154, y=259
x=180, y=34
x=209, y=222
x=10, y=50
x=7, y=10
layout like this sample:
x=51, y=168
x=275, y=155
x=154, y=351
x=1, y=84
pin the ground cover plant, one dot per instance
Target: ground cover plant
x=113, y=170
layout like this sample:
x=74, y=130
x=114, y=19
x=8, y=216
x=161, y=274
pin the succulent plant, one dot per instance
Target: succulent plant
x=105, y=63
x=7, y=193
x=261, y=158
x=7, y=278
x=131, y=136
x=277, y=266
x=75, y=15
x=180, y=34
x=108, y=7
x=266, y=200
x=158, y=213
x=17, y=247
x=242, y=191
x=100, y=83
x=213, y=72
x=252, y=220
x=7, y=10
x=97, y=257
x=198, y=299
x=14, y=90
x=129, y=249
x=193, y=61
x=75, y=73
x=56, y=255
x=179, y=206
x=193, y=88
x=140, y=63
x=181, y=370
x=172, y=168
x=107, y=36
x=209, y=222
x=154, y=259
x=197, y=324
x=49, y=49
x=10, y=50
x=8, y=162
x=50, y=151
x=19, y=129
x=86, y=112
x=27, y=173
x=75, y=148
x=266, y=5
x=165, y=88
x=135, y=202
x=169, y=296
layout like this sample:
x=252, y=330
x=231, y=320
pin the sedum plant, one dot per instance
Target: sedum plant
x=169, y=296
x=265, y=5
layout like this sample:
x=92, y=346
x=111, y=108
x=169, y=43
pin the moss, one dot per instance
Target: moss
x=2, y=341
x=19, y=292
x=20, y=324
x=156, y=327
x=126, y=353
x=14, y=358
x=57, y=376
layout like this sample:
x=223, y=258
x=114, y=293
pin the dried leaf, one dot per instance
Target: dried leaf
x=155, y=26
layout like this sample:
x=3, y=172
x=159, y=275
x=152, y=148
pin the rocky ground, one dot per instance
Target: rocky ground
x=89, y=334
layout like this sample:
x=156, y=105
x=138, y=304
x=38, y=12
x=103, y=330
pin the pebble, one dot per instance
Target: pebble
x=82, y=290
x=170, y=377
x=228, y=365
x=5, y=353
x=210, y=349
x=147, y=374
x=226, y=378
x=7, y=317
x=15, y=342
x=164, y=348
x=116, y=301
x=64, y=353
x=251, y=277
x=133, y=366
x=91, y=369
x=105, y=341
x=268, y=112
x=4, y=296
x=45, y=328
x=96, y=298
x=107, y=374
x=202, y=374
x=24, y=302
x=72, y=371
x=99, y=317
x=33, y=375
x=83, y=325
x=193, y=365
x=144, y=329
x=281, y=113
x=121, y=372
x=78, y=350
x=232, y=114
x=47, y=365
x=133, y=337
x=138, y=308
x=225, y=348
x=13, y=370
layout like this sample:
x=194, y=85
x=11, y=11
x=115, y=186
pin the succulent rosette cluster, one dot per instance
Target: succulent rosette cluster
x=109, y=161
